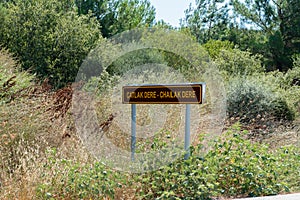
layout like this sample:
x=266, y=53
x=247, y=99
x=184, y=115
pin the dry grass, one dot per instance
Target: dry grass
x=38, y=120
x=33, y=121
x=29, y=127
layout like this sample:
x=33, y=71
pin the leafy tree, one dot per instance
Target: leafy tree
x=279, y=20
x=49, y=37
x=289, y=17
x=164, y=25
x=260, y=13
x=246, y=39
x=209, y=20
x=214, y=47
x=117, y=16
x=179, y=49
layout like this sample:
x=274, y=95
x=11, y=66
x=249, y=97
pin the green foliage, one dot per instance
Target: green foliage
x=296, y=60
x=285, y=85
x=118, y=16
x=251, y=100
x=12, y=79
x=266, y=27
x=136, y=59
x=279, y=22
x=254, y=41
x=234, y=167
x=76, y=180
x=235, y=62
x=293, y=75
x=214, y=47
x=49, y=37
x=262, y=13
x=164, y=25
x=179, y=50
x=280, y=54
x=247, y=168
x=209, y=20
x=292, y=84
x=289, y=17
x=142, y=47
x=103, y=83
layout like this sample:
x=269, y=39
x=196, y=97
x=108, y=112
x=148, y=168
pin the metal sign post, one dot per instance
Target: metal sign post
x=133, y=130
x=187, y=93
x=187, y=136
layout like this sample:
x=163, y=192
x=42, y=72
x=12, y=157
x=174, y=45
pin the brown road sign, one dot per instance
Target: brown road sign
x=191, y=93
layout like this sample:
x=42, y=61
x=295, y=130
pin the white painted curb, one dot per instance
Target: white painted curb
x=277, y=197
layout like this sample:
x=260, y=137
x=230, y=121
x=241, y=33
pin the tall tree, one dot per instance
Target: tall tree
x=116, y=16
x=48, y=37
x=289, y=17
x=279, y=20
x=209, y=20
x=260, y=13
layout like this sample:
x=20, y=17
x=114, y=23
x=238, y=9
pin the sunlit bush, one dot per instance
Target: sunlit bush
x=250, y=100
x=234, y=167
x=48, y=37
x=235, y=62
x=214, y=47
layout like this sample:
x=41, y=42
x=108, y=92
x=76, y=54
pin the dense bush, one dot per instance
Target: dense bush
x=12, y=79
x=48, y=36
x=250, y=100
x=292, y=79
x=235, y=62
x=283, y=85
x=179, y=49
x=293, y=75
x=135, y=59
x=234, y=167
x=214, y=47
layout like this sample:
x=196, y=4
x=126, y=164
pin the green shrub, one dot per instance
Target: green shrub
x=249, y=169
x=76, y=180
x=179, y=49
x=214, y=47
x=292, y=80
x=12, y=79
x=188, y=179
x=292, y=76
x=235, y=62
x=134, y=59
x=234, y=167
x=250, y=100
x=49, y=37
x=281, y=84
x=103, y=83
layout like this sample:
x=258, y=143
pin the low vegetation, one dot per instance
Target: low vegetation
x=42, y=158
